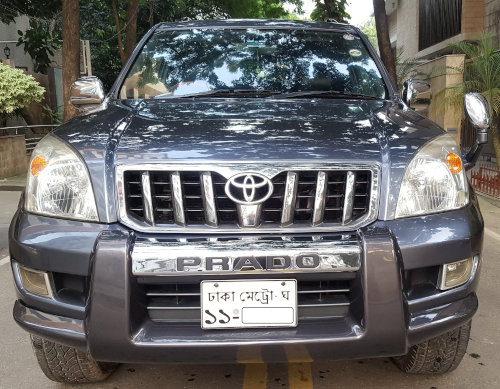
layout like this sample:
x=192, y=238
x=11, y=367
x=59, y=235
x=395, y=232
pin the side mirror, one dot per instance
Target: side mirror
x=477, y=110
x=87, y=93
x=412, y=89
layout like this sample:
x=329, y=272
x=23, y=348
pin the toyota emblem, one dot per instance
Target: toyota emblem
x=249, y=188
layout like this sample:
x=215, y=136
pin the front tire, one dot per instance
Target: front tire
x=438, y=355
x=67, y=364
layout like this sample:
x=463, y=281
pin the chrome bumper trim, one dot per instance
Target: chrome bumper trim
x=181, y=258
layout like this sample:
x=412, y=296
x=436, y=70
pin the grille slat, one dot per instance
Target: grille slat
x=320, y=198
x=181, y=302
x=302, y=198
x=147, y=198
x=177, y=199
x=273, y=207
x=133, y=192
x=161, y=192
x=305, y=291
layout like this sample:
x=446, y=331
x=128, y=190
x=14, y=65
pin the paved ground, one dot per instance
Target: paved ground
x=8, y=205
x=15, y=183
x=480, y=368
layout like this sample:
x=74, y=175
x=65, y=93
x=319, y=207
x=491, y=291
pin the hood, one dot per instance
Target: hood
x=245, y=130
x=249, y=131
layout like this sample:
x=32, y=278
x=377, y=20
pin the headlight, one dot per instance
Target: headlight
x=434, y=181
x=59, y=183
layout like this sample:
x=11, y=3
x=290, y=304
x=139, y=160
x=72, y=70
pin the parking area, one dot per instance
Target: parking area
x=18, y=367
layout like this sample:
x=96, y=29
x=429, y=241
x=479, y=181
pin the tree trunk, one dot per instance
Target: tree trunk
x=151, y=16
x=384, y=42
x=70, y=52
x=123, y=57
x=131, y=30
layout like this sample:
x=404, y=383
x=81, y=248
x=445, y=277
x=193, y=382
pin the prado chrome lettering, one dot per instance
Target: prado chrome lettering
x=245, y=263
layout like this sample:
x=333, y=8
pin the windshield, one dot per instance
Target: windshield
x=200, y=61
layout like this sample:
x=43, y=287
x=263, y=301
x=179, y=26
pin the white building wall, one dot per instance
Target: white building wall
x=492, y=20
x=407, y=27
x=8, y=32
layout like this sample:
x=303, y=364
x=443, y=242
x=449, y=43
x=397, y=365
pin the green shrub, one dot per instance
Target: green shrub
x=17, y=90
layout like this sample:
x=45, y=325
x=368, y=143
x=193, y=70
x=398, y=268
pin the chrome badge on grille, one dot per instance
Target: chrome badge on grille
x=249, y=191
x=249, y=188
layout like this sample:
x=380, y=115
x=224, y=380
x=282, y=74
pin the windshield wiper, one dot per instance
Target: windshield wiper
x=326, y=94
x=223, y=93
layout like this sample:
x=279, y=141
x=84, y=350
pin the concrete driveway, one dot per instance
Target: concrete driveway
x=479, y=369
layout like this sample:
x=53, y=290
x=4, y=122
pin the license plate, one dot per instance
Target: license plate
x=248, y=304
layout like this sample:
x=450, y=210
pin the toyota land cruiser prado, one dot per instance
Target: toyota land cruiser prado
x=248, y=183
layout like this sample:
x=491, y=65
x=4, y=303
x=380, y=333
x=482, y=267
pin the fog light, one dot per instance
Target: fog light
x=35, y=281
x=455, y=274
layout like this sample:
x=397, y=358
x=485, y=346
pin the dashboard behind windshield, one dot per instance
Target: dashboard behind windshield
x=176, y=63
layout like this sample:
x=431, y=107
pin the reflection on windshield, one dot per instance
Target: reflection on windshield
x=187, y=62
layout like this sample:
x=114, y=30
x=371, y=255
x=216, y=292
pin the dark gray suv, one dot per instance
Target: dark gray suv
x=248, y=183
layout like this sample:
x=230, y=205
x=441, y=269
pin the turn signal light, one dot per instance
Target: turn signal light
x=37, y=165
x=454, y=163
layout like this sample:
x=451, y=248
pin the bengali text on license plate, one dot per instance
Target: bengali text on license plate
x=248, y=304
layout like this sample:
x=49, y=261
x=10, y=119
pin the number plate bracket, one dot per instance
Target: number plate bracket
x=248, y=304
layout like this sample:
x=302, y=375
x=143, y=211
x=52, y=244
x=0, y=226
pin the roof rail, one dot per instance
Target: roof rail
x=223, y=16
x=331, y=20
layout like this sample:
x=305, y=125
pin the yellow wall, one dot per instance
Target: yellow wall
x=441, y=73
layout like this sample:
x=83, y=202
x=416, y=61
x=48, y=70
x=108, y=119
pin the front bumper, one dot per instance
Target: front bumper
x=112, y=322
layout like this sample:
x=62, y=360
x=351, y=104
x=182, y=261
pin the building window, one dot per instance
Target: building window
x=438, y=20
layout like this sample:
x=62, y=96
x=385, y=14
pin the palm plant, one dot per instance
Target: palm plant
x=481, y=73
x=405, y=68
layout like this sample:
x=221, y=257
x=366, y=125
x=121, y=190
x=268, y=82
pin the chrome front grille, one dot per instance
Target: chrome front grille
x=174, y=303
x=194, y=198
